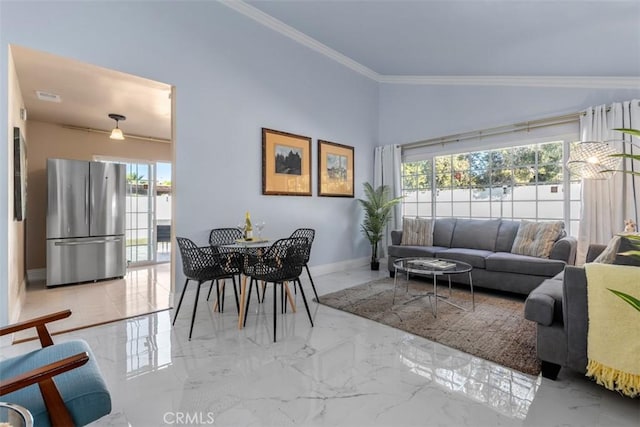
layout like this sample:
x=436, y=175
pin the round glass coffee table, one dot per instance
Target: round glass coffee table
x=434, y=267
x=15, y=415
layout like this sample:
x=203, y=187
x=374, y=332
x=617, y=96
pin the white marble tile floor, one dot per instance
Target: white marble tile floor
x=345, y=371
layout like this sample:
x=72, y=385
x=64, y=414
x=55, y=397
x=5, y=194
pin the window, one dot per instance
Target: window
x=523, y=182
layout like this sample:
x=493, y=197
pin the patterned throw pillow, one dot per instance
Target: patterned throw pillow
x=536, y=238
x=608, y=255
x=417, y=232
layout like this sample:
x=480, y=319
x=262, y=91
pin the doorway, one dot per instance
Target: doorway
x=148, y=212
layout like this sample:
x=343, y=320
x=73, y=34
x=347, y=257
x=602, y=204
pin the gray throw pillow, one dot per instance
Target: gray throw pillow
x=417, y=232
x=536, y=238
x=627, y=245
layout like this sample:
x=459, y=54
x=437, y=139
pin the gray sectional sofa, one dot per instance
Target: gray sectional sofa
x=486, y=245
x=559, y=307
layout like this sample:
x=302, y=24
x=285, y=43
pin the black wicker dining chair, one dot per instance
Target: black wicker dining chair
x=309, y=234
x=225, y=236
x=203, y=264
x=281, y=263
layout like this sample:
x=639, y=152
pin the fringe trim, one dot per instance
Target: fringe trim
x=614, y=379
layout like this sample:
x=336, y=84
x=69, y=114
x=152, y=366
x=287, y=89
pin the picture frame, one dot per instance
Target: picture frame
x=286, y=164
x=19, y=176
x=335, y=169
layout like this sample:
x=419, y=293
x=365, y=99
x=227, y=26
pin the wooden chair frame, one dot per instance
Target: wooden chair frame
x=43, y=376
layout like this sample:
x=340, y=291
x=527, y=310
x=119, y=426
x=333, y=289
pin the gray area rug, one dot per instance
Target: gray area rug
x=495, y=331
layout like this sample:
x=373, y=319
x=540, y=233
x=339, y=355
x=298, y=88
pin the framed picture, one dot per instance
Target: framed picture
x=335, y=169
x=286, y=164
x=19, y=176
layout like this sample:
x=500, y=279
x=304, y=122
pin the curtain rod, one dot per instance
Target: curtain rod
x=126, y=135
x=500, y=130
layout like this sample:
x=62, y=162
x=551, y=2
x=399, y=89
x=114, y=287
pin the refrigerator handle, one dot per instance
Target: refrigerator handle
x=86, y=199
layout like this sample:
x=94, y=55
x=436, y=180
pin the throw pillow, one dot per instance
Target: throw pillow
x=417, y=232
x=608, y=256
x=536, y=238
x=625, y=246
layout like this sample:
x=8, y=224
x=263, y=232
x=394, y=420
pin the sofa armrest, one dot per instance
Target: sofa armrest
x=544, y=303
x=593, y=251
x=396, y=237
x=565, y=250
x=575, y=316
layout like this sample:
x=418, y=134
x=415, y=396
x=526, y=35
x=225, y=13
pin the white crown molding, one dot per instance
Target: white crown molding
x=288, y=31
x=531, y=81
x=522, y=81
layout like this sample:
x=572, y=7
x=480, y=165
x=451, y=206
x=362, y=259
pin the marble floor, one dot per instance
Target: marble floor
x=143, y=290
x=345, y=371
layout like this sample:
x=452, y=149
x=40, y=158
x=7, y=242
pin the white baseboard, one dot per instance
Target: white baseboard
x=320, y=270
x=36, y=275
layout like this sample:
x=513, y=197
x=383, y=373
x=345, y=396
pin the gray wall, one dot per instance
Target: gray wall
x=411, y=113
x=232, y=77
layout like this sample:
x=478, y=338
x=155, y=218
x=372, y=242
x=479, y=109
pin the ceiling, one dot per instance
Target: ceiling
x=473, y=37
x=379, y=38
x=89, y=94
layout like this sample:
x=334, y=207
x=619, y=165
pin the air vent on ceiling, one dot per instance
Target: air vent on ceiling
x=48, y=96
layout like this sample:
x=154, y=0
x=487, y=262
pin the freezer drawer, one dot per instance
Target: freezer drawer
x=85, y=259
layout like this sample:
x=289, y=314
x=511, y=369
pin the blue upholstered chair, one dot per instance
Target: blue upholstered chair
x=77, y=397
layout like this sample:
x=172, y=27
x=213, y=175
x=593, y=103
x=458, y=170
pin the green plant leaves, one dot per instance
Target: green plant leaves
x=633, y=132
x=634, y=302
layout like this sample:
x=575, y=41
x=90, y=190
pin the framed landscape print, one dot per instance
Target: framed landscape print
x=335, y=169
x=286, y=164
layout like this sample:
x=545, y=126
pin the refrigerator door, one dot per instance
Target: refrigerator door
x=85, y=259
x=108, y=192
x=68, y=198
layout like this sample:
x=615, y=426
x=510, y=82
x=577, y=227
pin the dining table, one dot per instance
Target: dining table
x=245, y=248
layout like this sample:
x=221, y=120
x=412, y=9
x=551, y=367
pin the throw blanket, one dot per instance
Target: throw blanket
x=613, y=340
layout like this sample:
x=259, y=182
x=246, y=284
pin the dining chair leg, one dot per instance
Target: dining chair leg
x=223, y=292
x=218, y=295
x=305, y=303
x=312, y=284
x=246, y=310
x=275, y=299
x=175, y=316
x=258, y=293
x=283, y=308
x=264, y=290
x=235, y=293
x=210, y=288
x=195, y=306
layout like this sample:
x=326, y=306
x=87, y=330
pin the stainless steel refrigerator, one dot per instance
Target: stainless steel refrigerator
x=85, y=221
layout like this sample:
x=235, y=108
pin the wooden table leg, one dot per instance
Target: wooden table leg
x=243, y=289
x=289, y=297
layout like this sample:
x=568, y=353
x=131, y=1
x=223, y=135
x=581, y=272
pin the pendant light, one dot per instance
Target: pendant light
x=116, y=133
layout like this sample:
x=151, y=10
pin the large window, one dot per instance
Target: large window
x=525, y=182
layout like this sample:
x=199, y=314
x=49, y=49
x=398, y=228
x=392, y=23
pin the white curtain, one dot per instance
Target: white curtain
x=386, y=171
x=606, y=203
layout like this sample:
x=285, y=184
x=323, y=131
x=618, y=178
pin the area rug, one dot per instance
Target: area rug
x=496, y=330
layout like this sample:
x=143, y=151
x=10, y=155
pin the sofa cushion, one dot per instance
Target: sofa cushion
x=536, y=238
x=474, y=257
x=506, y=235
x=544, y=303
x=417, y=232
x=475, y=234
x=523, y=264
x=400, y=251
x=443, y=231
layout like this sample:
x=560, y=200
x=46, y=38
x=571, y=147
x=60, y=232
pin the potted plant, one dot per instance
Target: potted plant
x=378, y=208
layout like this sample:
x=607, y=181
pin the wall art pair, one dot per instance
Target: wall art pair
x=286, y=166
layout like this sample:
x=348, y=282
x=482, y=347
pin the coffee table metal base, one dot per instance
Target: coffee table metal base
x=434, y=294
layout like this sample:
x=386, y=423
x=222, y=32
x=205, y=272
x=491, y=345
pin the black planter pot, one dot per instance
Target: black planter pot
x=375, y=265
